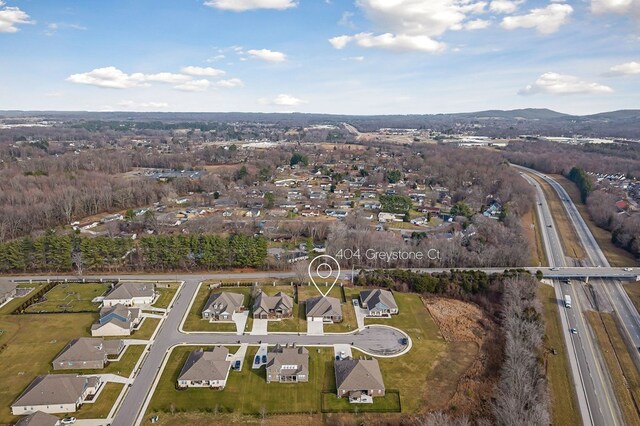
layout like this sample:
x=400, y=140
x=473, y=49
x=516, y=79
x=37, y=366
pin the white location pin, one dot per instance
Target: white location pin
x=324, y=267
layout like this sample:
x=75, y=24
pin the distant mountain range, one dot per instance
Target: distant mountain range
x=496, y=123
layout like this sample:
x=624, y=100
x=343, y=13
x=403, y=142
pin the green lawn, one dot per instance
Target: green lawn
x=32, y=342
x=124, y=367
x=72, y=297
x=409, y=373
x=194, y=321
x=101, y=408
x=247, y=391
x=147, y=329
x=166, y=295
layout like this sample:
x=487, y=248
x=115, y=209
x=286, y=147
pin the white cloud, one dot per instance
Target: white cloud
x=397, y=42
x=216, y=58
x=283, y=100
x=232, y=82
x=11, y=17
x=477, y=24
x=143, y=105
x=628, y=68
x=194, y=86
x=110, y=77
x=561, y=84
x=167, y=77
x=345, y=20
x=505, y=6
x=545, y=20
x=244, y=5
x=202, y=71
x=621, y=7
x=267, y=55
x=355, y=58
x=412, y=24
x=53, y=28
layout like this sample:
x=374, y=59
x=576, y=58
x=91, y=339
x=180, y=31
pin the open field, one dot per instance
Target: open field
x=622, y=370
x=72, y=297
x=207, y=419
x=564, y=404
x=246, y=392
x=409, y=372
x=568, y=236
x=615, y=255
x=633, y=290
x=100, y=409
x=32, y=343
x=194, y=321
x=166, y=295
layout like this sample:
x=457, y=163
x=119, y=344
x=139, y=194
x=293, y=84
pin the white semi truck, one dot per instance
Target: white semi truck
x=567, y=301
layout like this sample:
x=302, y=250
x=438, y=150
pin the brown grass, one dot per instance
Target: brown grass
x=614, y=254
x=633, y=290
x=531, y=227
x=568, y=236
x=564, y=405
x=623, y=373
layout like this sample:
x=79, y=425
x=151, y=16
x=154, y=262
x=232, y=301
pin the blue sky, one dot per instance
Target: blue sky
x=338, y=56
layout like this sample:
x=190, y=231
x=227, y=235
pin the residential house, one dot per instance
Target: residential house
x=222, y=306
x=378, y=302
x=278, y=306
x=39, y=418
x=206, y=369
x=358, y=379
x=287, y=364
x=118, y=320
x=323, y=308
x=87, y=353
x=130, y=294
x=7, y=291
x=56, y=393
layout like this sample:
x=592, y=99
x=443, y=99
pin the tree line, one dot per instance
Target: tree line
x=67, y=253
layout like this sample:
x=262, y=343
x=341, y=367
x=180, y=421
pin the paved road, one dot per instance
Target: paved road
x=596, y=399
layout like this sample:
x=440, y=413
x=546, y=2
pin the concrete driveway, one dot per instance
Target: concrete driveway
x=360, y=315
x=240, y=318
x=262, y=351
x=338, y=349
x=315, y=328
x=259, y=327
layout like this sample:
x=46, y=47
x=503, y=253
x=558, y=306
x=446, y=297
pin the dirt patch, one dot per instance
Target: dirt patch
x=463, y=379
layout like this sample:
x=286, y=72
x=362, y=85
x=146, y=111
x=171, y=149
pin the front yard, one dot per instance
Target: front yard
x=194, y=321
x=246, y=392
x=165, y=295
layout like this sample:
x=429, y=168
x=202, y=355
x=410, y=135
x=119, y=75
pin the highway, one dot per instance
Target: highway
x=596, y=399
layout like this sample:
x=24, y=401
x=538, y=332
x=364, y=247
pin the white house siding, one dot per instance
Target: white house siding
x=19, y=410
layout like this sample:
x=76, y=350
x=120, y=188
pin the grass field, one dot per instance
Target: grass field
x=74, y=297
x=100, y=409
x=194, y=321
x=147, y=329
x=564, y=405
x=166, y=295
x=32, y=344
x=615, y=255
x=531, y=227
x=623, y=372
x=633, y=290
x=568, y=236
x=247, y=391
x=409, y=372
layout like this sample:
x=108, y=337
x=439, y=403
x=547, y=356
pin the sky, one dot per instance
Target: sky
x=322, y=56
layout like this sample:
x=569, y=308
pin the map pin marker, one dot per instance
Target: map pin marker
x=324, y=266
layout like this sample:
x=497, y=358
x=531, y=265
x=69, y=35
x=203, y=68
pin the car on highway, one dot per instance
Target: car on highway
x=555, y=268
x=628, y=269
x=574, y=331
x=68, y=421
x=549, y=226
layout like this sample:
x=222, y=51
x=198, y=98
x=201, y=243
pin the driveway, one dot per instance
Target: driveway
x=259, y=327
x=262, y=351
x=338, y=349
x=360, y=315
x=315, y=328
x=240, y=318
x=239, y=355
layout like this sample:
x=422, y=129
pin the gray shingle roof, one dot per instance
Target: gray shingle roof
x=224, y=302
x=130, y=290
x=323, y=306
x=279, y=356
x=54, y=389
x=358, y=374
x=206, y=365
x=266, y=303
x=88, y=349
x=6, y=287
x=373, y=298
x=38, y=418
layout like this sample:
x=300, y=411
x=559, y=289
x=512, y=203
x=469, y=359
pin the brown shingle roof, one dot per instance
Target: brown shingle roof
x=53, y=389
x=358, y=374
x=323, y=306
x=206, y=365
